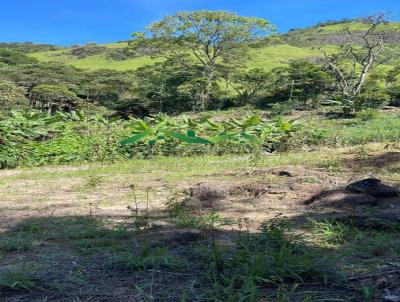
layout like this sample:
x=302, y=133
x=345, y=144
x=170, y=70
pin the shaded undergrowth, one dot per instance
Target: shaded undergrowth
x=192, y=259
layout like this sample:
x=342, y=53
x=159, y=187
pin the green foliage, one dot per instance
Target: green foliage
x=189, y=32
x=165, y=135
x=212, y=39
x=54, y=96
x=347, y=132
x=170, y=86
x=11, y=57
x=277, y=257
x=368, y=114
x=251, y=85
x=143, y=260
x=372, y=99
x=331, y=232
x=28, y=47
x=17, y=277
x=36, y=139
x=210, y=60
x=307, y=82
x=86, y=50
x=352, y=64
x=15, y=243
x=11, y=96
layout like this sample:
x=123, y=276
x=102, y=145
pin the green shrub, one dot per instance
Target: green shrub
x=368, y=114
x=372, y=99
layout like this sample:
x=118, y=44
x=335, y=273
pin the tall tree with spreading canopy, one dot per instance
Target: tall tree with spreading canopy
x=210, y=38
x=54, y=97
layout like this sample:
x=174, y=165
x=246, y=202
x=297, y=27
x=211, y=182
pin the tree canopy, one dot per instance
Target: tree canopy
x=210, y=38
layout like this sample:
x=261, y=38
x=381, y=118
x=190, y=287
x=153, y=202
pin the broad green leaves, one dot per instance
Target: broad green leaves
x=137, y=137
x=252, y=131
x=38, y=138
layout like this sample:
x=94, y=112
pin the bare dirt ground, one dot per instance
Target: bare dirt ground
x=50, y=206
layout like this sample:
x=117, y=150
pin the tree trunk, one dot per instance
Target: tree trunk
x=363, y=76
x=291, y=91
x=49, y=109
x=208, y=92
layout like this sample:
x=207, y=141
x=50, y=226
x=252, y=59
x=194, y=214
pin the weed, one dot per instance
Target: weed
x=278, y=230
x=311, y=180
x=18, y=277
x=375, y=244
x=368, y=293
x=332, y=232
x=16, y=243
x=176, y=204
x=237, y=273
x=93, y=182
x=362, y=152
x=100, y=245
x=141, y=217
x=144, y=260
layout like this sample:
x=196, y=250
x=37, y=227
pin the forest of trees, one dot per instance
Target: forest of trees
x=202, y=67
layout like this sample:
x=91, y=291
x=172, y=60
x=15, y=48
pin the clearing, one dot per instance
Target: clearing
x=163, y=229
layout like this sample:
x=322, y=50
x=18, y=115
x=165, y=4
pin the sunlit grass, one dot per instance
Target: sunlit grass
x=267, y=58
x=93, y=62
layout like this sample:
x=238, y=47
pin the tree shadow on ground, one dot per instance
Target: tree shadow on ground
x=336, y=115
x=364, y=226
x=389, y=160
x=84, y=258
x=346, y=244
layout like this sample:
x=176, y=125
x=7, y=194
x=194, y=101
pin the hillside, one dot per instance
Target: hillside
x=267, y=57
x=296, y=44
x=330, y=33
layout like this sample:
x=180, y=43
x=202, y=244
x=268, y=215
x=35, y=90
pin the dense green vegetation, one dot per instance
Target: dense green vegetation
x=195, y=62
x=37, y=139
x=167, y=70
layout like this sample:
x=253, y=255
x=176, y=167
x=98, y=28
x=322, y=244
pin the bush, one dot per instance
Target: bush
x=372, y=99
x=368, y=114
x=280, y=109
x=11, y=96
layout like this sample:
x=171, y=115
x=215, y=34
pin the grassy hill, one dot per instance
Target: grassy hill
x=297, y=44
x=95, y=61
x=267, y=57
x=92, y=62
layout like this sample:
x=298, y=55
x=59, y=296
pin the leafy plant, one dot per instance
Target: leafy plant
x=35, y=139
x=252, y=133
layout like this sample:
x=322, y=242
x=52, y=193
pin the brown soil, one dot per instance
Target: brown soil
x=293, y=192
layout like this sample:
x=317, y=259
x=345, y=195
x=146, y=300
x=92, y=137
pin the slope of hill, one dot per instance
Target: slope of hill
x=330, y=34
x=93, y=62
x=296, y=44
x=267, y=57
